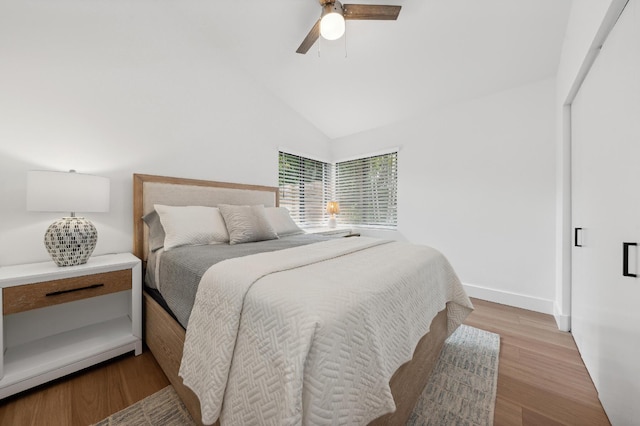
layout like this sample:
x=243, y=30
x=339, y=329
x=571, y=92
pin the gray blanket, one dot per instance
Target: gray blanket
x=181, y=268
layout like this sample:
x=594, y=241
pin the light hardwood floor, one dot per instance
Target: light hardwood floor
x=541, y=381
x=541, y=377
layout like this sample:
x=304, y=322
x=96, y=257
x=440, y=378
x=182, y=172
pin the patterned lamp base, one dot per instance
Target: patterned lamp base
x=71, y=240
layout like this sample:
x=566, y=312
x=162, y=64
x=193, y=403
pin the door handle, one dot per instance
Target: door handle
x=625, y=259
x=575, y=237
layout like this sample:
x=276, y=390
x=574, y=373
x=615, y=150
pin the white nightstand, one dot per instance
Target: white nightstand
x=57, y=320
x=335, y=232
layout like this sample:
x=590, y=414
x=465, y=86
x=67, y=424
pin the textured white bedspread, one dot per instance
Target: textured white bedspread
x=313, y=334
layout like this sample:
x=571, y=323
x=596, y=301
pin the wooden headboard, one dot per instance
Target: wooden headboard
x=150, y=189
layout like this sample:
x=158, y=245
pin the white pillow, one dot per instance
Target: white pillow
x=281, y=221
x=191, y=225
x=247, y=224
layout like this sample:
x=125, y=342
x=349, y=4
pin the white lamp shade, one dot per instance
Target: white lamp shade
x=333, y=207
x=67, y=192
x=332, y=26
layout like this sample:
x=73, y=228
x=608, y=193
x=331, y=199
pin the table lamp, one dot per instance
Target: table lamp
x=69, y=240
x=333, y=207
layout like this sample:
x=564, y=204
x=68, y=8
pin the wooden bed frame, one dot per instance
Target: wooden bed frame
x=165, y=336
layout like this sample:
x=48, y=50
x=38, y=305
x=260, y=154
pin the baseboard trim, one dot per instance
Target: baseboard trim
x=563, y=320
x=523, y=301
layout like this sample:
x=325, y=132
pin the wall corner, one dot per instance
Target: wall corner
x=562, y=320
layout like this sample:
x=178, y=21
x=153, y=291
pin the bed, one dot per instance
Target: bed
x=272, y=290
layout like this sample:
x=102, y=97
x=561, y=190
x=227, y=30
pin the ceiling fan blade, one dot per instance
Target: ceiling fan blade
x=371, y=11
x=310, y=39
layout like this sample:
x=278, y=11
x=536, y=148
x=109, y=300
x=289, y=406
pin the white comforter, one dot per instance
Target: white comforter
x=313, y=334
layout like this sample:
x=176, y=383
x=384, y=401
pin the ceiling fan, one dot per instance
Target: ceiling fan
x=331, y=23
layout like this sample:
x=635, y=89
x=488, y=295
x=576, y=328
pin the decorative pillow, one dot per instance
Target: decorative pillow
x=281, y=221
x=156, y=231
x=247, y=223
x=191, y=225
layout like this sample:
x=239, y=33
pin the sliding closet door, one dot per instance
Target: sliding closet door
x=605, y=311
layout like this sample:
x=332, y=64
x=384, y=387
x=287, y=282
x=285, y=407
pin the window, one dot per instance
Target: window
x=367, y=189
x=305, y=188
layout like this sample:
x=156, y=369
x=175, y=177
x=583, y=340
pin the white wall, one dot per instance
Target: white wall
x=113, y=88
x=147, y=92
x=476, y=181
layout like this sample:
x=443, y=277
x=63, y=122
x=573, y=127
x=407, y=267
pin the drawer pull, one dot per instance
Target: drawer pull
x=59, y=292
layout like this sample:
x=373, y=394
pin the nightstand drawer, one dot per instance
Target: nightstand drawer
x=47, y=293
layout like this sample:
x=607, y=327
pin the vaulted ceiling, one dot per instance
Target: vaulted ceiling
x=437, y=53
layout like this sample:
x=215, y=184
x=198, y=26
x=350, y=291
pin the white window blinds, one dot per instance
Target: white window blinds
x=367, y=190
x=305, y=188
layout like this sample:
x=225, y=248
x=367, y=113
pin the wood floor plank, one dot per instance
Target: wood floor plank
x=507, y=413
x=563, y=378
x=531, y=418
x=556, y=407
x=550, y=350
x=88, y=390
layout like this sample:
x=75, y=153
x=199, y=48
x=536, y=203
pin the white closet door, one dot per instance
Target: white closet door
x=605, y=311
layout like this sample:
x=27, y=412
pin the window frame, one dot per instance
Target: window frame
x=367, y=190
x=307, y=206
x=379, y=193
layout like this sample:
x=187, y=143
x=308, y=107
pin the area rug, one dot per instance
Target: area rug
x=461, y=390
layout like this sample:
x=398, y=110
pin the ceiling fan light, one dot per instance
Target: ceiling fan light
x=332, y=24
